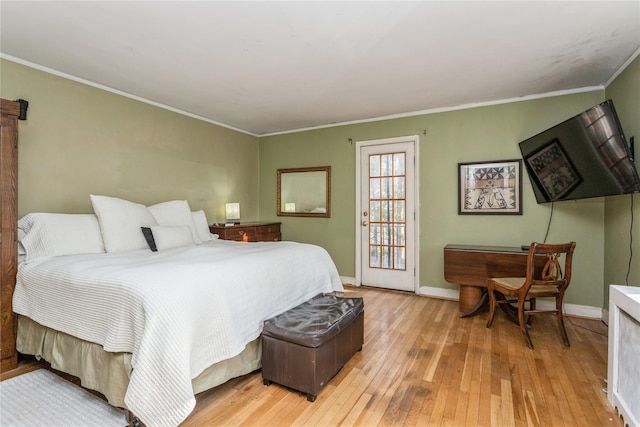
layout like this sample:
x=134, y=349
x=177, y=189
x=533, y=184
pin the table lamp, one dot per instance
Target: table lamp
x=233, y=212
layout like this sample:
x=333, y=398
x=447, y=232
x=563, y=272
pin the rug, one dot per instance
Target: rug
x=41, y=398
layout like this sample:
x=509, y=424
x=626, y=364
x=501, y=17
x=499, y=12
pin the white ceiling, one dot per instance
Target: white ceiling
x=269, y=67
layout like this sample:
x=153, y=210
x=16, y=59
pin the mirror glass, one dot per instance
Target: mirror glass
x=305, y=192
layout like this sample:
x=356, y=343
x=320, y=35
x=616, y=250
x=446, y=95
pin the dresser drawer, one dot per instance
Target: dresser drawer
x=254, y=232
x=268, y=233
x=268, y=237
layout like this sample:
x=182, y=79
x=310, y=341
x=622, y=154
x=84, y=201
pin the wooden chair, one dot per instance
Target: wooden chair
x=552, y=283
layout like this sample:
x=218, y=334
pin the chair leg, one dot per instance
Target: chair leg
x=563, y=331
x=522, y=324
x=492, y=307
x=532, y=307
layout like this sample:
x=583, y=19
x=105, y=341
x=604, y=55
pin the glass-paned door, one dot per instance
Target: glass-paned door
x=387, y=220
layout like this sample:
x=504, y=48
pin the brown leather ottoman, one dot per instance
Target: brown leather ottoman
x=306, y=346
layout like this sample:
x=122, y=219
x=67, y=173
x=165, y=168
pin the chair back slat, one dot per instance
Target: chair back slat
x=552, y=270
x=553, y=273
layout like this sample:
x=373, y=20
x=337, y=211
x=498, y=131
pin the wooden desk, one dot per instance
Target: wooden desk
x=470, y=266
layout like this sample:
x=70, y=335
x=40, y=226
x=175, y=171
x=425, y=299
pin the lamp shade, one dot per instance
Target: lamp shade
x=233, y=210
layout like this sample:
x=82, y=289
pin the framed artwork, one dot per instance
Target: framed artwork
x=553, y=171
x=490, y=187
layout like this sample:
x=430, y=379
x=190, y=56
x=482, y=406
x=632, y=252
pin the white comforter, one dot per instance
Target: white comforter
x=177, y=311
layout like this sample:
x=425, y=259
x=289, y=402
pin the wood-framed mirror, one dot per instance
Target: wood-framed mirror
x=305, y=192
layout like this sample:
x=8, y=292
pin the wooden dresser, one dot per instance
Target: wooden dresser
x=249, y=232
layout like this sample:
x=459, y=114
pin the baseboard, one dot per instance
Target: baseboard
x=445, y=293
x=574, y=309
x=349, y=281
x=428, y=291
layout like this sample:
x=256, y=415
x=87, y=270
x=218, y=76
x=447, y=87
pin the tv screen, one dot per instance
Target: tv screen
x=585, y=156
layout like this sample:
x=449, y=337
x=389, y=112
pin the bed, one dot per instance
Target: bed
x=149, y=329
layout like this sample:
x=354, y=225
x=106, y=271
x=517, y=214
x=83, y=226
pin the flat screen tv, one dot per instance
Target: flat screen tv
x=585, y=156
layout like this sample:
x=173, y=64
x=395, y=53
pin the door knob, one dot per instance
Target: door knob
x=365, y=223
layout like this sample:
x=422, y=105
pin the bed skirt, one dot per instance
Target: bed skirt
x=107, y=372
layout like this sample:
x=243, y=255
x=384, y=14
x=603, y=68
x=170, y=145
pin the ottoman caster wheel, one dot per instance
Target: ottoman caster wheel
x=266, y=383
x=311, y=397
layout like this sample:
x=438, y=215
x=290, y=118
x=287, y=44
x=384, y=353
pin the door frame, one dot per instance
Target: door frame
x=415, y=140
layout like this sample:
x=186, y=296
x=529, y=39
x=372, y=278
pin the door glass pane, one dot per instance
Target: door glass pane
x=398, y=164
x=399, y=235
x=387, y=211
x=385, y=261
x=386, y=188
x=386, y=164
x=374, y=165
x=374, y=256
x=398, y=187
x=386, y=234
x=375, y=234
x=399, y=258
x=374, y=210
x=398, y=211
x=374, y=188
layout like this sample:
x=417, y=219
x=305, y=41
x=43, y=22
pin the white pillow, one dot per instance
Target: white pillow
x=174, y=213
x=54, y=234
x=167, y=237
x=120, y=222
x=202, y=226
x=21, y=235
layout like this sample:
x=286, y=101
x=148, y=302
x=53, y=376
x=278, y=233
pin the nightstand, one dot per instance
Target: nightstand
x=255, y=232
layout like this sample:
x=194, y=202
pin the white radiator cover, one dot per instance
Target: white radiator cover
x=623, y=389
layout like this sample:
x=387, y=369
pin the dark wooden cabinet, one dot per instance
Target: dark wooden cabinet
x=249, y=232
x=9, y=112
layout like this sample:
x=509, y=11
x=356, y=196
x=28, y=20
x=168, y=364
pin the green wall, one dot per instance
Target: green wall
x=625, y=93
x=80, y=140
x=470, y=135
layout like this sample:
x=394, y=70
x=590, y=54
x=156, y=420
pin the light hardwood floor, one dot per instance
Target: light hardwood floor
x=422, y=365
